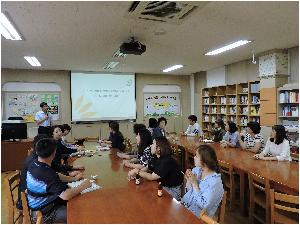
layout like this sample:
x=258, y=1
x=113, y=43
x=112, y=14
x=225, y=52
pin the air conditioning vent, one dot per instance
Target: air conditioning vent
x=169, y=12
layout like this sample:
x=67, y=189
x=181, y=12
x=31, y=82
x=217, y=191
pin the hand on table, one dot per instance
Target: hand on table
x=86, y=184
x=74, y=173
x=78, y=167
x=132, y=174
x=79, y=176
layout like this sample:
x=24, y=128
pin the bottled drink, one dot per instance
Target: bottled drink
x=159, y=191
x=137, y=179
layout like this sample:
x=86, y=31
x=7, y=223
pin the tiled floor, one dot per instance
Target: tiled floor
x=231, y=217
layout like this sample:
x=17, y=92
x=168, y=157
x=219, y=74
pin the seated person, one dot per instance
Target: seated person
x=218, y=131
x=116, y=138
x=136, y=129
x=47, y=190
x=160, y=131
x=253, y=140
x=152, y=124
x=164, y=168
x=144, y=141
x=194, y=127
x=231, y=138
x=65, y=129
x=62, y=152
x=277, y=146
x=204, y=184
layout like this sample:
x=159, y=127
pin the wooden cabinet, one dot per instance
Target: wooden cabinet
x=268, y=112
x=13, y=154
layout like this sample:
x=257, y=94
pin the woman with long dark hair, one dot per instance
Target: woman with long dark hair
x=144, y=141
x=164, y=168
x=277, y=146
x=204, y=184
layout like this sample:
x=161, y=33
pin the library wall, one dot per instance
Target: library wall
x=294, y=65
x=241, y=72
x=200, y=82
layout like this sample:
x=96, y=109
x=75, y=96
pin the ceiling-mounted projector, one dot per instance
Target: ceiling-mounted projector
x=133, y=47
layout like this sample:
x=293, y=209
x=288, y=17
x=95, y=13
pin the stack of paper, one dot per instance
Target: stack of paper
x=77, y=183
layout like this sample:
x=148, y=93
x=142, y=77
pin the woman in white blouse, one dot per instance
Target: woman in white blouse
x=277, y=146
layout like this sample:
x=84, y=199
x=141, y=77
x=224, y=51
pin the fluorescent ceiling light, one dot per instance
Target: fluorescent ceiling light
x=32, y=60
x=228, y=47
x=175, y=67
x=119, y=54
x=7, y=29
x=110, y=65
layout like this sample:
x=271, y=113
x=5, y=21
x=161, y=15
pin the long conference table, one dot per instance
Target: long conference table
x=282, y=175
x=120, y=200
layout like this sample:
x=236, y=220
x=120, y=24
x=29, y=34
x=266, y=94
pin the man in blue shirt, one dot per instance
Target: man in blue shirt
x=47, y=191
x=43, y=119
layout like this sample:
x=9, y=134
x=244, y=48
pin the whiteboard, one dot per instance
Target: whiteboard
x=27, y=104
x=162, y=104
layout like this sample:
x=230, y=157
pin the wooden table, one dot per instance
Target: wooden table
x=282, y=175
x=13, y=154
x=120, y=200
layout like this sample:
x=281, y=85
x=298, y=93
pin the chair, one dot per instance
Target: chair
x=284, y=208
x=12, y=183
x=259, y=188
x=29, y=151
x=206, y=219
x=222, y=208
x=128, y=145
x=26, y=211
x=229, y=180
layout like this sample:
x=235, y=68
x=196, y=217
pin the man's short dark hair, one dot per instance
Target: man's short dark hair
x=64, y=127
x=43, y=104
x=37, y=138
x=161, y=119
x=254, y=126
x=45, y=147
x=193, y=118
x=152, y=123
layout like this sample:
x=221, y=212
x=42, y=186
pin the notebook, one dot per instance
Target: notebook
x=77, y=183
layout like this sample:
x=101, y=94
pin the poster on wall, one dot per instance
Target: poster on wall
x=26, y=105
x=162, y=104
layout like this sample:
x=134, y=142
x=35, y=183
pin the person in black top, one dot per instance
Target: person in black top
x=164, y=169
x=218, y=131
x=160, y=130
x=116, y=138
x=62, y=152
x=46, y=190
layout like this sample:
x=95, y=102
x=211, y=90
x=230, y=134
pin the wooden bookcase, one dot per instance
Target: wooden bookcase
x=230, y=103
x=288, y=114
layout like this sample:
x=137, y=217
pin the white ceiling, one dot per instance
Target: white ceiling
x=84, y=35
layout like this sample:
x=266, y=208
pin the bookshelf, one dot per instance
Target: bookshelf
x=288, y=113
x=239, y=103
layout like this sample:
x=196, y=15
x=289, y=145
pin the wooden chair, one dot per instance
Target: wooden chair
x=29, y=151
x=12, y=183
x=206, y=219
x=259, y=188
x=128, y=145
x=26, y=211
x=229, y=181
x=222, y=208
x=284, y=208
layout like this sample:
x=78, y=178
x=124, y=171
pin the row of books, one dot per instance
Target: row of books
x=254, y=88
x=255, y=99
x=232, y=100
x=289, y=97
x=290, y=111
x=223, y=100
x=244, y=100
x=254, y=110
x=243, y=110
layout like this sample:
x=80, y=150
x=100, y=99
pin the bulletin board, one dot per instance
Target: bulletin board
x=27, y=104
x=163, y=104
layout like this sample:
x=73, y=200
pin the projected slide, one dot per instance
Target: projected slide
x=100, y=96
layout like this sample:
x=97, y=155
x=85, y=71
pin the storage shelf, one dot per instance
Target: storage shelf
x=288, y=102
x=288, y=116
x=254, y=104
x=243, y=93
x=253, y=115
